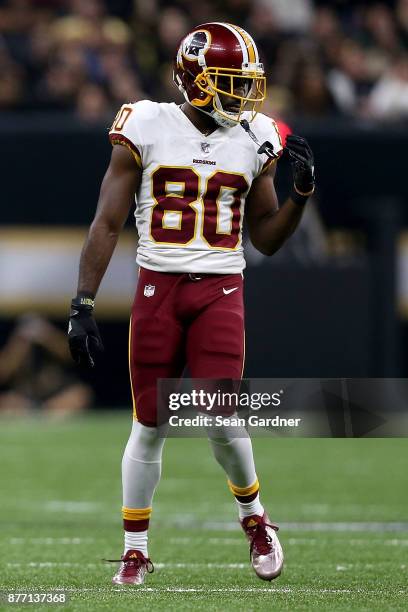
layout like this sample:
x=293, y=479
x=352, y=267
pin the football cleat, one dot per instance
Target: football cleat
x=265, y=550
x=133, y=568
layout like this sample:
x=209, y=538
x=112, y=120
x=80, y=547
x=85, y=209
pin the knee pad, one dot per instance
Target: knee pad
x=144, y=443
x=224, y=435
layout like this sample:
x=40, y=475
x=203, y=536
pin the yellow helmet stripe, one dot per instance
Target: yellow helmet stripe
x=249, y=43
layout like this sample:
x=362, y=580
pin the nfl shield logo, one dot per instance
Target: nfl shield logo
x=205, y=147
x=149, y=290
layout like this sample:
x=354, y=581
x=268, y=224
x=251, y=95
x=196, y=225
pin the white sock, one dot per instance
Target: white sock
x=141, y=466
x=253, y=507
x=136, y=540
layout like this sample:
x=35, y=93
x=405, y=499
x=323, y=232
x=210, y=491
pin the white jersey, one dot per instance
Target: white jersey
x=190, y=205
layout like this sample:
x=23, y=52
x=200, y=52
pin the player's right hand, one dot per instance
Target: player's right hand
x=83, y=335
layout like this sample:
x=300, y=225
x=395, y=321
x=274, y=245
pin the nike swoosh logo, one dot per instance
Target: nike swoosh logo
x=227, y=291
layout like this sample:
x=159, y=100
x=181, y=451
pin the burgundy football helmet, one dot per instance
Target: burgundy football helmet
x=220, y=59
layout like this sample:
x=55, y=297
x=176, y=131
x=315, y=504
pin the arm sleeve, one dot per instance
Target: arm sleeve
x=126, y=131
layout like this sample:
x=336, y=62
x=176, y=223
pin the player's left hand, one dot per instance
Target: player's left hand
x=83, y=335
x=302, y=164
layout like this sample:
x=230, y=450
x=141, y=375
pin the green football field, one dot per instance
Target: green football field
x=342, y=506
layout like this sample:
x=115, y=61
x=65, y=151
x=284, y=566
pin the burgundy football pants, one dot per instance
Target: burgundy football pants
x=183, y=319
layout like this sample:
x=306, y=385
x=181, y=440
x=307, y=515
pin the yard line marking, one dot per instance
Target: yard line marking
x=309, y=590
x=347, y=526
x=43, y=564
x=46, y=564
x=224, y=541
x=239, y=566
x=297, y=589
x=293, y=541
x=317, y=526
x=308, y=541
x=220, y=590
x=49, y=540
x=59, y=505
x=203, y=565
x=190, y=521
x=184, y=540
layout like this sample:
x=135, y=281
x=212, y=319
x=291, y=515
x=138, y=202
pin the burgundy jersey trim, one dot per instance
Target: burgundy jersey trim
x=122, y=140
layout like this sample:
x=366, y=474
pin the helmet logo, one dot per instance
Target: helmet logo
x=195, y=44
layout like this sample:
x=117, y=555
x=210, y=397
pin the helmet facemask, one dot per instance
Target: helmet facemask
x=249, y=81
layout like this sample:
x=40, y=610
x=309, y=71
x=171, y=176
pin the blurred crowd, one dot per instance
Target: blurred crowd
x=37, y=374
x=89, y=56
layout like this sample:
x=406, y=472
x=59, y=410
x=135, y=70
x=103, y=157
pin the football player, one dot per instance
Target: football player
x=195, y=170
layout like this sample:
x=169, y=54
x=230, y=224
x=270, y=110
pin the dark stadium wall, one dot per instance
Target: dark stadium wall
x=58, y=181
x=321, y=321
x=303, y=323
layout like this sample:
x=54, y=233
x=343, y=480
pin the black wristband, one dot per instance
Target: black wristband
x=83, y=301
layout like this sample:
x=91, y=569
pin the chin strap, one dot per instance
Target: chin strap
x=223, y=121
x=218, y=118
x=266, y=147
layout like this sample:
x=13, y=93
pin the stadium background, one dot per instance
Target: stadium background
x=333, y=303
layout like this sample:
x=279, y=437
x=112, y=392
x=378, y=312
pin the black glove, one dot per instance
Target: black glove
x=83, y=335
x=303, y=167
